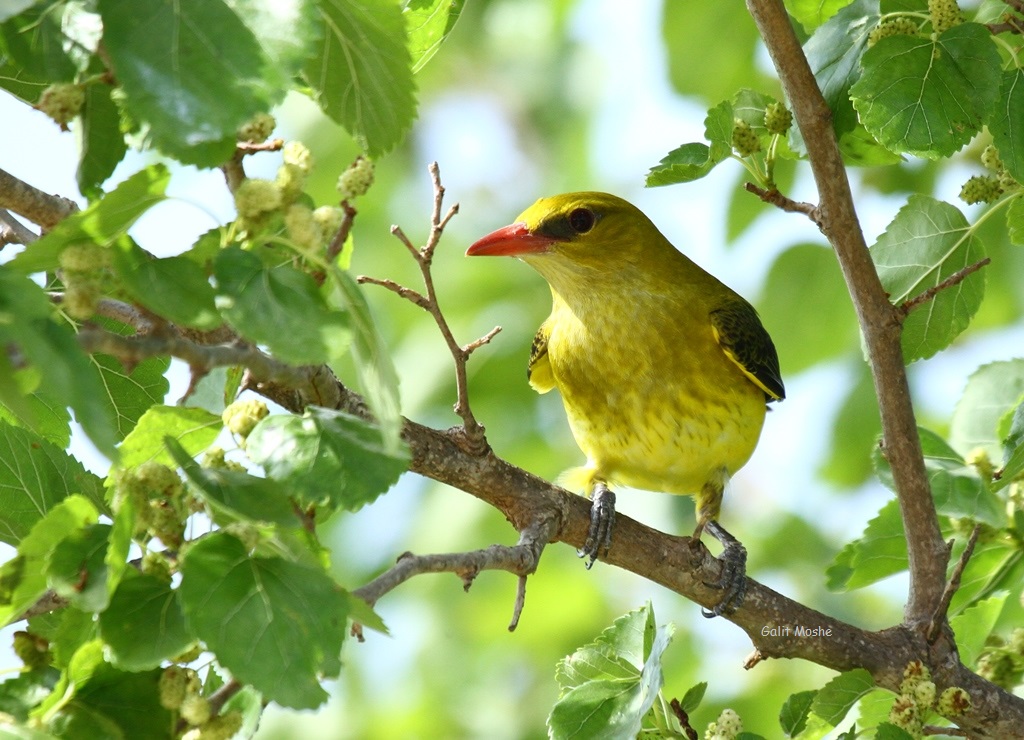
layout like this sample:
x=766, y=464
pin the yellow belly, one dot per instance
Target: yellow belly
x=654, y=415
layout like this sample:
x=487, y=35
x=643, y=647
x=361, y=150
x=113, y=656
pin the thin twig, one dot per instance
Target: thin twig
x=939, y=617
x=340, y=237
x=520, y=559
x=472, y=436
x=782, y=202
x=684, y=719
x=944, y=731
x=957, y=277
x=249, y=147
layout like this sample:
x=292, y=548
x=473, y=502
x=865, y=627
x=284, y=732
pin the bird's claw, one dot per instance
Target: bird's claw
x=602, y=521
x=733, y=577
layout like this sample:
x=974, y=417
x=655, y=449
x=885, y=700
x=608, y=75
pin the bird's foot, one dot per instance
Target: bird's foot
x=733, y=579
x=602, y=521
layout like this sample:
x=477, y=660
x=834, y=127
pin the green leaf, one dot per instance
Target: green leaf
x=193, y=87
x=880, y=552
x=44, y=416
x=238, y=495
x=23, y=578
x=281, y=308
x=53, y=354
x=129, y=394
x=992, y=390
x=33, y=52
x=1013, y=450
x=194, y=429
x=286, y=31
x=377, y=375
x=98, y=700
x=103, y=222
x=361, y=74
x=973, y=626
x=35, y=476
x=611, y=696
x=812, y=13
x=889, y=731
x=144, y=624
x=693, y=161
x=794, y=713
x=175, y=288
x=1015, y=221
x=100, y=141
x=272, y=623
x=326, y=457
x=925, y=96
x=926, y=243
x=428, y=23
x=838, y=696
x=77, y=568
x=1006, y=125
x=994, y=565
x=814, y=323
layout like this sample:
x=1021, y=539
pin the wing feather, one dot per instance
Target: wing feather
x=741, y=336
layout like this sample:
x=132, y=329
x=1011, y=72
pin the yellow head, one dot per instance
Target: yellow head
x=576, y=238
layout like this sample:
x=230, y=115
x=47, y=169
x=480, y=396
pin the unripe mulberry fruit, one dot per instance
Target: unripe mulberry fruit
x=990, y=159
x=33, y=650
x=981, y=189
x=195, y=709
x=298, y=154
x=726, y=727
x=357, y=179
x=172, y=686
x=954, y=701
x=777, y=118
x=241, y=417
x=255, y=197
x=744, y=139
x=945, y=14
x=906, y=715
x=62, y=101
x=899, y=26
x=257, y=129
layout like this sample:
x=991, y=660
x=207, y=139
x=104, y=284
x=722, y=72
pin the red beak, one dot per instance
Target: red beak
x=510, y=241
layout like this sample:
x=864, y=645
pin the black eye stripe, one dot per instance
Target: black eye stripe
x=582, y=220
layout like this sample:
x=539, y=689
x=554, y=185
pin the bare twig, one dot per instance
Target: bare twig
x=684, y=719
x=249, y=147
x=35, y=205
x=338, y=241
x=472, y=431
x=939, y=618
x=520, y=559
x=775, y=198
x=957, y=277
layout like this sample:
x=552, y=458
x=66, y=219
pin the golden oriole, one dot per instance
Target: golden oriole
x=664, y=371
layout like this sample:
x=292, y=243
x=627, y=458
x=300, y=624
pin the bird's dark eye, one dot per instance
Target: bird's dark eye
x=582, y=220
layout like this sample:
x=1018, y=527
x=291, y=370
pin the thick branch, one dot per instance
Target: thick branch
x=32, y=203
x=880, y=321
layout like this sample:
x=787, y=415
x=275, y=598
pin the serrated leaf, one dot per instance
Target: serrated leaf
x=428, y=23
x=101, y=144
x=957, y=489
x=973, y=626
x=926, y=96
x=614, y=707
x=193, y=87
x=175, y=288
x=44, y=416
x=1005, y=123
x=794, y=712
x=237, y=495
x=362, y=73
x=272, y=623
x=693, y=161
x=617, y=653
x=926, y=243
x=104, y=221
x=35, y=476
x=377, y=375
x=144, y=624
x=77, y=570
x=991, y=391
x=880, y=552
x=194, y=429
x=812, y=13
x=326, y=457
x=280, y=307
x=23, y=578
x=286, y=29
x=1015, y=221
x=835, y=699
x=129, y=394
x=34, y=52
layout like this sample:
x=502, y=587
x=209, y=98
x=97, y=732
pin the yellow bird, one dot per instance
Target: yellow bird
x=664, y=371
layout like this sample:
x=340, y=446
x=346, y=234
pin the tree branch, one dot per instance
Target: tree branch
x=957, y=277
x=32, y=203
x=880, y=321
x=12, y=231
